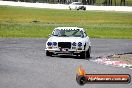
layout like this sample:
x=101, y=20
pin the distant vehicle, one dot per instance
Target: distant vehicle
x=77, y=6
x=69, y=40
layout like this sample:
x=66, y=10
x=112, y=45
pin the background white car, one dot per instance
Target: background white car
x=77, y=6
x=69, y=40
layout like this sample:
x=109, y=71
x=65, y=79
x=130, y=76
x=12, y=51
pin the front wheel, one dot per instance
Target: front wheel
x=85, y=54
x=88, y=52
x=49, y=53
x=84, y=9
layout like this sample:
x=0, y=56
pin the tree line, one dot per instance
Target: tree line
x=85, y=2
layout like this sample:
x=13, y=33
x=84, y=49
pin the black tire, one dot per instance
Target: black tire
x=83, y=55
x=88, y=53
x=84, y=8
x=49, y=53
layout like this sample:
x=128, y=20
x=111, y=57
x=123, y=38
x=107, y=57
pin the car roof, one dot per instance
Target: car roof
x=69, y=28
x=76, y=3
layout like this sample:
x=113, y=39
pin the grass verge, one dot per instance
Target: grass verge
x=19, y=22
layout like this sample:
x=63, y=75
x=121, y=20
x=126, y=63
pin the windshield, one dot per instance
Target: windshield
x=77, y=3
x=68, y=33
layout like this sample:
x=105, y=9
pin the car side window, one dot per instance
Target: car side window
x=56, y=32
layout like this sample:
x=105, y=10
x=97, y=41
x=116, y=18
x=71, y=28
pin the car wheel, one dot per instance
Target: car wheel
x=49, y=53
x=83, y=55
x=88, y=53
x=84, y=9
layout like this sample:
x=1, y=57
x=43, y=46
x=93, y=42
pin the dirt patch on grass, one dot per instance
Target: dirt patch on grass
x=122, y=57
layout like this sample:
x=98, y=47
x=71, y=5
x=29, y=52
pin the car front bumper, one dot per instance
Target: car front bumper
x=65, y=51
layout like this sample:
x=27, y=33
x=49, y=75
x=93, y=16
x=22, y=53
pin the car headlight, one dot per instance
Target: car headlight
x=49, y=43
x=54, y=43
x=79, y=44
x=74, y=43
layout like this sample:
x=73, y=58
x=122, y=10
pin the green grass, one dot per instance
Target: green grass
x=18, y=22
x=127, y=2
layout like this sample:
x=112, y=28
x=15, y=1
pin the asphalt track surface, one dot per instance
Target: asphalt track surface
x=23, y=64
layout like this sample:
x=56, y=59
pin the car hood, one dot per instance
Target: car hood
x=65, y=39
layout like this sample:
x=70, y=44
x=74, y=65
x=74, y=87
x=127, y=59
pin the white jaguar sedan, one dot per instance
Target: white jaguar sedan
x=69, y=40
x=77, y=6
